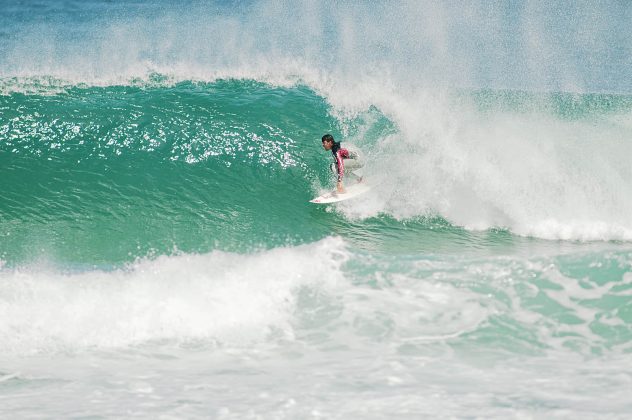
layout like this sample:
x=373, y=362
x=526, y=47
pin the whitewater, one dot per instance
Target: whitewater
x=159, y=257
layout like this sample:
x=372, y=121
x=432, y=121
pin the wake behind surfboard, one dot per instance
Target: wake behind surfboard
x=352, y=191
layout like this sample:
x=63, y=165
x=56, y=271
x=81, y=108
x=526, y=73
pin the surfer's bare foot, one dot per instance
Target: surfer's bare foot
x=340, y=188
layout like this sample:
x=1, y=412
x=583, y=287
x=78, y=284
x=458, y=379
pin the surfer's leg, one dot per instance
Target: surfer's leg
x=356, y=177
x=352, y=165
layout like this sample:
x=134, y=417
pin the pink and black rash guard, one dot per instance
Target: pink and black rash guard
x=340, y=154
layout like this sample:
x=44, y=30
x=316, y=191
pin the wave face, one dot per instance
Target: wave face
x=450, y=92
x=192, y=166
x=159, y=257
x=115, y=172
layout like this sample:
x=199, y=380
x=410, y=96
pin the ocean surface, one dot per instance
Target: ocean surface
x=159, y=257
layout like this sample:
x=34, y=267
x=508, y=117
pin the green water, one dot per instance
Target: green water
x=104, y=175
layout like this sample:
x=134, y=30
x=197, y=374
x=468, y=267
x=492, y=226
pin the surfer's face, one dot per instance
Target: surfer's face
x=327, y=145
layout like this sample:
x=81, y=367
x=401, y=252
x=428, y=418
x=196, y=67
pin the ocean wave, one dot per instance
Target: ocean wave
x=479, y=163
x=320, y=295
x=445, y=134
x=217, y=298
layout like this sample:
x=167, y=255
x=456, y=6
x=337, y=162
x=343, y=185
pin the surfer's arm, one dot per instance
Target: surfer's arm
x=340, y=166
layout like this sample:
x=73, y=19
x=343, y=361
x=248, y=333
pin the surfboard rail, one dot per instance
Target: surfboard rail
x=352, y=191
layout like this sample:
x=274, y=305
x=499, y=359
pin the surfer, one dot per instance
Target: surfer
x=340, y=155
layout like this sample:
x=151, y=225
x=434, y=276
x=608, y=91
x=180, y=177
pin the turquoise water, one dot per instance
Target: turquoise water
x=159, y=256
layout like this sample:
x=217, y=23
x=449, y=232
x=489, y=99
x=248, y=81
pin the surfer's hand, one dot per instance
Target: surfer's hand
x=340, y=187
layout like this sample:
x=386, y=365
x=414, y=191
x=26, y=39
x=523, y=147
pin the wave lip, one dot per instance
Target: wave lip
x=577, y=231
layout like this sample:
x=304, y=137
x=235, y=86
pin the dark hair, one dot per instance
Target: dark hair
x=328, y=137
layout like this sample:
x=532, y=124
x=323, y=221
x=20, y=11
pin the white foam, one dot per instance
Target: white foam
x=531, y=173
x=217, y=297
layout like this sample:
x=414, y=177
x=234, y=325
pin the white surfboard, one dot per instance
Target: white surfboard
x=352, y=191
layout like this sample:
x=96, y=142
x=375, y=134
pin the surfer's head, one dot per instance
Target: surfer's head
x=328, y=141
